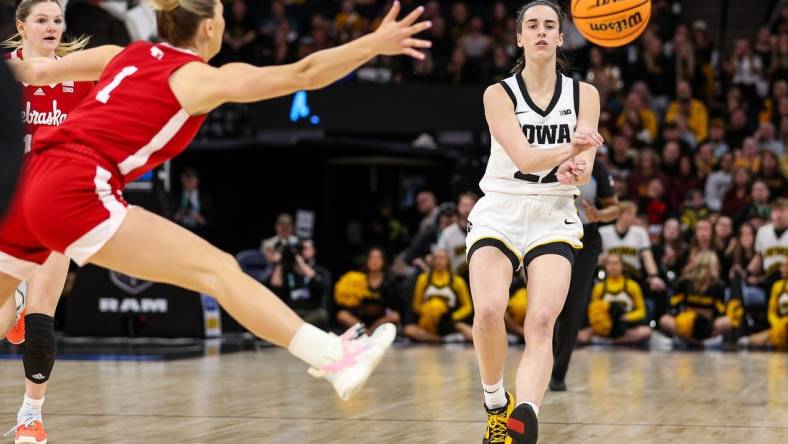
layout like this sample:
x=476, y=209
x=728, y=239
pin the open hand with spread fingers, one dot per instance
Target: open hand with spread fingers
x=396, y=37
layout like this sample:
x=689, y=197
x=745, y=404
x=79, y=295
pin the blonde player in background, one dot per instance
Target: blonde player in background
x=40, y=25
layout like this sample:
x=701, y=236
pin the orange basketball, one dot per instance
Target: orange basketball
x=611, y=22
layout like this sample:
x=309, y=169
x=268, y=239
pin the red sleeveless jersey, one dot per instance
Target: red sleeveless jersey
x=131, y=118
x=48, y=105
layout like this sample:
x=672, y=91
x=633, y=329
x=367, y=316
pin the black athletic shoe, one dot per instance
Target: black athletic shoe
x=522, y=426
x=557, y=385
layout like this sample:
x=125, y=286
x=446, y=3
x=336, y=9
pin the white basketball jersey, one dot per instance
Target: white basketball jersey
x=772, y=246
x=544, y=129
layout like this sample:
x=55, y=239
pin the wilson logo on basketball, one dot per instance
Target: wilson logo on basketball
x=631, y=21
x=611, y=22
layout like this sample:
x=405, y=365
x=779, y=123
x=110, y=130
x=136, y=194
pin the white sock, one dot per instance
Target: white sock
x=30, y=405
x=533, y=406
x=311, y=344
x=494, y=395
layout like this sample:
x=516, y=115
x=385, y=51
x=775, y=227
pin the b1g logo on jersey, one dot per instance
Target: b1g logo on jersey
x=547, y=134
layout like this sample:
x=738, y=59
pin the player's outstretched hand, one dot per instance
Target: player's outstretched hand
x=586, y=139
x=396, y=37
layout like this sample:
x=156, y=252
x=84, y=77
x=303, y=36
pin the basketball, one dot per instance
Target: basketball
x=611, y=23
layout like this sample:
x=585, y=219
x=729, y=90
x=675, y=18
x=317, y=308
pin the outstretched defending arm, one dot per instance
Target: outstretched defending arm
x=84, y=65
x=201, y=88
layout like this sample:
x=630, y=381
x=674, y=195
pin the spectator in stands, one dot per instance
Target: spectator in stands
x=778, y=68
x=640, y=117
x=648, y=167
x=697, y=307
x=771, y=175
x=748, y=156
x=476, y=45
x=719, y=182
x=459, y=21
x=655, y=204
x=632, y=242
x=421, y=246
x=693, y=210
x=604, y=76
x=771, y=241
x=348, y=23
x=684, y=181
x=617, y=311
x=725, y=243
x=670, y=252
x=300, y=282
x=717, y=138
x=427, y=206
x=767, y=139
x=758, y=208
x=704, y=161
x=738, y=196
x=441, y=305
x=738, y=128
x=452, y=238
x=744, y=252
x=702, y=240
x=194, y=209
x=369, y=297
x=622, y=157
x=747, y=70
x=656, y=69
x=689, y=108
x=240, y=34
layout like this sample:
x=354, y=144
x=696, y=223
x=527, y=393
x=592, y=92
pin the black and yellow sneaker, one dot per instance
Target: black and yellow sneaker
x=496, y=422
x=522, y=427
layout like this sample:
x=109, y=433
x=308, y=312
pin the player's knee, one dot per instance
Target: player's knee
x=40, y=347
x=488, y=314
x=539, y=324
x=216, y=276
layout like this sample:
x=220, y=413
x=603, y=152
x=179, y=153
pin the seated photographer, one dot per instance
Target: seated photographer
x=697, y=308
x=617, y=312
x=299, y=281
x=441, y=305
x=284, y=233
x=368, y=297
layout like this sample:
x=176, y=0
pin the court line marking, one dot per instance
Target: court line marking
x=459, y=421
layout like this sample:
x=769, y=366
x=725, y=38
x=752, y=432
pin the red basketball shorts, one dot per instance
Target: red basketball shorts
x=66, y=201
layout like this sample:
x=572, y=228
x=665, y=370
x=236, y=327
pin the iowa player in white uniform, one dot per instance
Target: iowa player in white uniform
x=544, y=138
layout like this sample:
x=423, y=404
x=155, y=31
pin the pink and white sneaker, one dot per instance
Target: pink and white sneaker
x=353, y=358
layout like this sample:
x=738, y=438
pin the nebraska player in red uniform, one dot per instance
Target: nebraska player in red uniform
x=147, y=106
x=40, y=26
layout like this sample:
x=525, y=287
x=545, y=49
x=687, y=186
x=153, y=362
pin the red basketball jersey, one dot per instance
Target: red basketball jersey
x=48, y=105
x=131, y=118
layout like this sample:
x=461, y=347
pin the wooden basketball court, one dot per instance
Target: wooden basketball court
x=418, y=395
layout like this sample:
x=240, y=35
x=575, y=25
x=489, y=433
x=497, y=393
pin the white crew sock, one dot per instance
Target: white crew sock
x=494, y=395
x=311, y=344
x=30, y=405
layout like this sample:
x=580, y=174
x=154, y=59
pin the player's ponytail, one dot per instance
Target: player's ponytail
x=560, y=57
x=178, y=20
x=23, y=12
